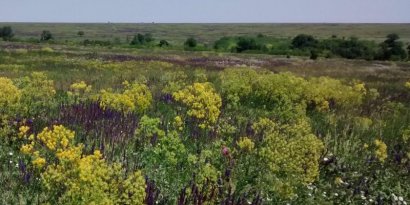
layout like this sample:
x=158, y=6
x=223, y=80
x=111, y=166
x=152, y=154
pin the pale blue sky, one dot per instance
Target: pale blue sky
x=202, y=11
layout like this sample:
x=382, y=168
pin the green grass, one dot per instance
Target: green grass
x=205, y=33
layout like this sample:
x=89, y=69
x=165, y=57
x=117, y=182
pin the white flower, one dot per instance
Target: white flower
x=11, y=162
x=395, y=197
x=309, y=194
x=11, y=153
x=363, y=197
x=325, y=159
x=404, y=202
x=336, y=194
x=400, y=198
x=371, y=200
x=17, y=165
x=310, y=187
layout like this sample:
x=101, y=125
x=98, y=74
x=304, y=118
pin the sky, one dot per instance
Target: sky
x=206, y=11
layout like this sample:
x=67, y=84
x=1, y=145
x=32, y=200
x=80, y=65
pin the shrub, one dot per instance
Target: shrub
x=135, y=98
x=141, y=39
x=303, y=41
x=37, y=94
x=246, y=43
x=392, y=49
x=46, y=35
x=191, y=42
x=163, y=43
x=202, y=101
x=6, y=33
x=9, y=95
x=72, y=177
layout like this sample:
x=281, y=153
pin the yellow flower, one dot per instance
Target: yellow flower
x=23, y=131
x=381, y=150
x=338, y=181
x=39, y=162
x=246, y=144
x=26, y=149
x=202, y=101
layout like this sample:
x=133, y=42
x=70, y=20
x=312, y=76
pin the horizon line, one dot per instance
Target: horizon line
x=153, y=22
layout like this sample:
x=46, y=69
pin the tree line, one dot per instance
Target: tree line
x=301, y=45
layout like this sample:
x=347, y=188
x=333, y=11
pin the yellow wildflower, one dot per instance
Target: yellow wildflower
x=246, y=144
x=39, y=162
x=381, y=150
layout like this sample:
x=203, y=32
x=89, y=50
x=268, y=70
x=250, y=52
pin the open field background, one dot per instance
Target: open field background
x=206, y=33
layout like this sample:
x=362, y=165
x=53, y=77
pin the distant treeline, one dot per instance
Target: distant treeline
x=351, y=48
x=301, y=45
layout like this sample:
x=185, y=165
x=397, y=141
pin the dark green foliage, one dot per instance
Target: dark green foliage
x=313, y=54
x=408, y=52
x=303, y=41
x=392, y=49
x=163, y=43
x=226, y=44
x=80, y=33
x=142, y=39
x=46, y=35
x=88, y=42
x=246, y=43
x=6, y=33
x=191, y=42
x=353, y=49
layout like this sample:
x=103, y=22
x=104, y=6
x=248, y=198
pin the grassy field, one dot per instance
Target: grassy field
x=207, y=33
x=148, y=125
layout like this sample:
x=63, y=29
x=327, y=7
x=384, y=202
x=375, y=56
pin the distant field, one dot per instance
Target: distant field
x=206, y=33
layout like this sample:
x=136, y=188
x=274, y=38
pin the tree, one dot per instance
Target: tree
x=141, y=39
x=46, y=35
x=313, y=54
x=163, y=43
x=246, y=43
x=6, y=33
x=392, y=49
x=191, y=42
x=408, y=52
x=303, y=41
x=80, y=33
x=148, y=37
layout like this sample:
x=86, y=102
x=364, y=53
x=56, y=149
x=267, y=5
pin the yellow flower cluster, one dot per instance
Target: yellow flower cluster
x=39, y=162
x=174, y=81
x=78, y=178
x=79, y=90
x=290, y=149
x=133, y=191
x=135, y=98
x=246, y=144
x=381, y=150
x=9, y=94
x=236, y=83
x=202, y=101
x=178, y=123
x=55, y=140
x=37, y=93
x=324, y=89
x=58, y=137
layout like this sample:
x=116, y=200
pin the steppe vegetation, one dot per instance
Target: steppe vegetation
x=162, y=121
